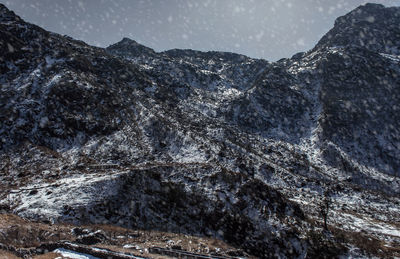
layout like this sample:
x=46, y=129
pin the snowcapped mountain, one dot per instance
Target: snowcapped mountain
x=209, y=143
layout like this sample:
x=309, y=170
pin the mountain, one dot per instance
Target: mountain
x=209, y=143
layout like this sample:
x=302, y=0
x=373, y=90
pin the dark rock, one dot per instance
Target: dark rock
x=91, y=238
x=235, y=252
x=176, y=247
x=33, y=192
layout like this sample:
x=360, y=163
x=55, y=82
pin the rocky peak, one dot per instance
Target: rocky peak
x=130, y=48
x=371, y=26
x=368, y=12
x=6, y=15
x=127, y=41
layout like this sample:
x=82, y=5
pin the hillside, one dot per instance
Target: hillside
x=212, y=143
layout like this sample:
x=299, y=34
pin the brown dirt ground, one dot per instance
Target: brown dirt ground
x=23, y=233
x=7, y=255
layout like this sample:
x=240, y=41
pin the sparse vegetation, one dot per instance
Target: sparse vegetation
x=324, y=207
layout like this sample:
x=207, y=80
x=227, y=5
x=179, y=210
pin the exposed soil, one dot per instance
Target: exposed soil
x=18, y=233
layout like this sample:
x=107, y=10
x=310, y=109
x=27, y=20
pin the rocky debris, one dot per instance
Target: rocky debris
x=209, y=143
x=178, y=253
x=86, y=237
x=39, y=238
x=80, y=231
x=131, y=246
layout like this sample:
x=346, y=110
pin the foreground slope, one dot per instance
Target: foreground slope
x=208, y=143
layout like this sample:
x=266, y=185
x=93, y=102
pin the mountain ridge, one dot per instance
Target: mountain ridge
x=210, y=143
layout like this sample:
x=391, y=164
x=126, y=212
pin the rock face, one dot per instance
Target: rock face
x=210, y=143
x=371, y=27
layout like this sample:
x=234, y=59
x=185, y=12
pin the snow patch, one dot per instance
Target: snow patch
x=73, y=255
x=47, y=201
x=50, y=61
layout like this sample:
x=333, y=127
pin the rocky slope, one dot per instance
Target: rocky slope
x=209, y=143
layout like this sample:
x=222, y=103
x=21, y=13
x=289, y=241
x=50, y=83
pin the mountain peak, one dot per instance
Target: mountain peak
x=130, y=48
x=372, y=6
x=126, y=40
x=370, y=26
x=364, y=13
x=7, y=15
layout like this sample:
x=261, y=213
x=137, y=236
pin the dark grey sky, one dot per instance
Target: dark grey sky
x=269, y=29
